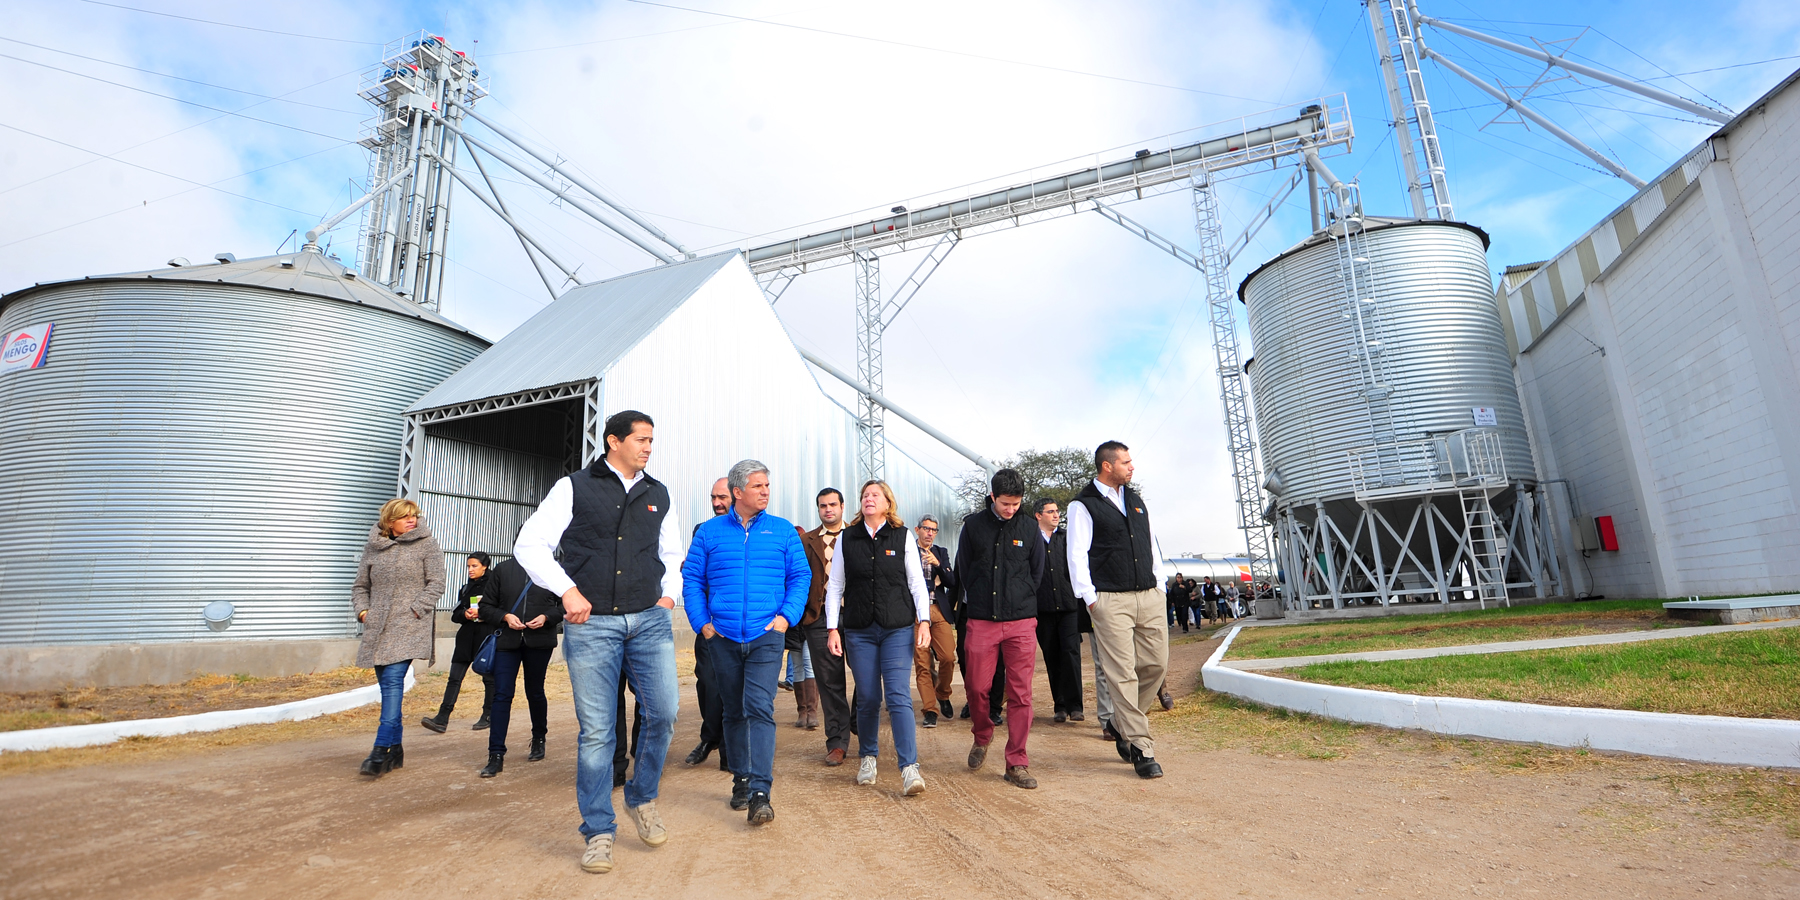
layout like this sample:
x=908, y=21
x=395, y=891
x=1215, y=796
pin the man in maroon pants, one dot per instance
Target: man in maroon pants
x=999, y=560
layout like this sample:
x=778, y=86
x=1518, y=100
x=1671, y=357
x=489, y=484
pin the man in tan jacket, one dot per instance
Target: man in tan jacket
x=828, y=669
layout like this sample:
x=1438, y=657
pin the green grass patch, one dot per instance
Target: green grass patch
x=1486, y=626
x=1753, y=674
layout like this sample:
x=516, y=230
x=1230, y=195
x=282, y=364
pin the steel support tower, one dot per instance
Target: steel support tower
x=1234, y=394
x=871, y=439
x=419, y=83
x=1414, y=128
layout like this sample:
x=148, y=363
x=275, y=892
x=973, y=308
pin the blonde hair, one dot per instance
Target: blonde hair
x=893, y=513
x=393, y=511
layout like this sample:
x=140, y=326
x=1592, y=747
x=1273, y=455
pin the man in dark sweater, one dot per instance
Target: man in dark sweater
x=999, y=562
x=1059, y=615
x=1112, y=566
x=706, y=691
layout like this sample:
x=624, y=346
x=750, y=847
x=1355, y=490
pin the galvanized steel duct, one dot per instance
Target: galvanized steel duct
x=1301, y=127
x=1445, y=353
x=191, y=441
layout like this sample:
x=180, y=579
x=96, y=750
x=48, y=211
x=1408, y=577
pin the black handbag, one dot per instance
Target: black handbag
x=484, y=655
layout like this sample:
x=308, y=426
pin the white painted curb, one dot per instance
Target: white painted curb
x=107, y=732
x=1713, y=739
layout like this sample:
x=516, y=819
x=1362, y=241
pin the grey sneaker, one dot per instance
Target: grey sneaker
x=649, y=824
x=598, y=858
x=865, y=773
x=912, y=783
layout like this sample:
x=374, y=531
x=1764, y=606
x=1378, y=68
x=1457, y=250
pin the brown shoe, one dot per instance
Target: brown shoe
x=1020, y=776
x=977, y=756
x=835, y=757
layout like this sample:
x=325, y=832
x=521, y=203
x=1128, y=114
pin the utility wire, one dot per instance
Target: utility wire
x=172, y=134
x=219, y=87
x=197, y=185
x=170, y=97
x=998, y=59
x=310, y=37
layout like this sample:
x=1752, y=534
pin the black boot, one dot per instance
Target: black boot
x=537, y=750
x=740, y=792
x=396, y=756
x=438, y=722
x=481, y=724
x=700, y=752
x=377, y=763
x=496, y=765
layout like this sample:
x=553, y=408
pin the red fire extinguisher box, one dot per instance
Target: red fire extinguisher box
x=1609, y=538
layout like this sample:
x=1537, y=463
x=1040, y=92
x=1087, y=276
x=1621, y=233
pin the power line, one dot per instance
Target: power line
x=140, y=90
x=219, y=87
x=197, y=184
x=172, y=134
x=310, y=37
x=998, y=59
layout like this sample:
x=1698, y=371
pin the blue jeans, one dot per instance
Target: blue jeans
x=747, y=674
x=392, y=680
x=536, y=661
x=799, y=664
x=597, y=651
x=885, y=653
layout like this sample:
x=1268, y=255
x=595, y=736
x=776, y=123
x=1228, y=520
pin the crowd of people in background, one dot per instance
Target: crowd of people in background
x=849, y=616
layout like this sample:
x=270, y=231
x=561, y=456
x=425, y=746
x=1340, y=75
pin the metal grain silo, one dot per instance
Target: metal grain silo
x=1386, y=407
x=202, y=433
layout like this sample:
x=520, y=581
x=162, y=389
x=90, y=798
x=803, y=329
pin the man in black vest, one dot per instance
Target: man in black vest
x=1112, y=564
x=1059, y=615
x=999, y=561
x=619, y=578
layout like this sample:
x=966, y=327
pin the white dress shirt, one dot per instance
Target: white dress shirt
x=542, y=534
x=915, y=583
x=1081, y=538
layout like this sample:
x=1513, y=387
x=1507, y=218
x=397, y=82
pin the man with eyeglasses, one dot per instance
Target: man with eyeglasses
x=940, y=579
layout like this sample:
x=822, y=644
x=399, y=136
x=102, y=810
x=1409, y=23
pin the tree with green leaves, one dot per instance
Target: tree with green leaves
x=1058, y=474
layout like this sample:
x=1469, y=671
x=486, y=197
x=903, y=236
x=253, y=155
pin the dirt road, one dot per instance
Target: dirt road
x=294, y=819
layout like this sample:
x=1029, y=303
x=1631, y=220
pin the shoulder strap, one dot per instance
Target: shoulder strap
x=521, y=601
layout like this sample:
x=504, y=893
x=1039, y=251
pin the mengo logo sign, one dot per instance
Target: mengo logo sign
x=26, y=348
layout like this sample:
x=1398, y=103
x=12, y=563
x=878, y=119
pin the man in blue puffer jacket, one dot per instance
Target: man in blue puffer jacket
x=745, y=580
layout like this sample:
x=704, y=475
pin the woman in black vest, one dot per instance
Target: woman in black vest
x=527, y=618
x=471, y=631
x=876, y=608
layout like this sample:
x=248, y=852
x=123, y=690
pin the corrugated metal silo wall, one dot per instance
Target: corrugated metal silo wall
x=1445, y=354
x=723, y=382
x=481, y=478
x=188, y=443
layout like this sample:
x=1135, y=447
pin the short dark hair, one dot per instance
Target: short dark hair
x=619, y=424
x=1037, y=506
x=829, y=490
x=1107, y=452
x=1007, y=483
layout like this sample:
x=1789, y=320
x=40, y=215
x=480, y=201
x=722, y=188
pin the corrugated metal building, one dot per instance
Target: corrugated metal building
x=1656, y=357
x=201, y=433
x=696, y=346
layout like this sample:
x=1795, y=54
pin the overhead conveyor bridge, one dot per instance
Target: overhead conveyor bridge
x=1322, y=124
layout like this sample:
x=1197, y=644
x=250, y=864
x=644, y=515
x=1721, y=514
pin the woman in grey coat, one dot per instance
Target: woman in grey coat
x=398, y=583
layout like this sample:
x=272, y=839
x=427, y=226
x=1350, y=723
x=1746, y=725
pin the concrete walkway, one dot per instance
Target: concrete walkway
x=1586, y=640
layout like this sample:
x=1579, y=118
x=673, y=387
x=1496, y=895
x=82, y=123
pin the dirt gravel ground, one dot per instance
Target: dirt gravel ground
x=293, y=819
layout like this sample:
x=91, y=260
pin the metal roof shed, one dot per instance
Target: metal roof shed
x=693, y=344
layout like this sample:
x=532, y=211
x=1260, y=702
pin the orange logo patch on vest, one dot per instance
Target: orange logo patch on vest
x=890, y=553
x=653, y=509
x=1018, y=543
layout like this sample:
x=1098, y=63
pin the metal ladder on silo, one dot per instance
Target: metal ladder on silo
x=1362, y=315
x=1481, y=537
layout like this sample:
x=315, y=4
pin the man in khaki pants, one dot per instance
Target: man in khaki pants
x=940, y=580
x=1112, y=565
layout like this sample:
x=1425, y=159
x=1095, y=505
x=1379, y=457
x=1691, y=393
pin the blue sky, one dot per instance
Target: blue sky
x=730, y=132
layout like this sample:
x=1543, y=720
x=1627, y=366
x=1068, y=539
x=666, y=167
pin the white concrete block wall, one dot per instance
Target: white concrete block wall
x=1714, y=471
x=1715, y=463
x=1589, y=448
